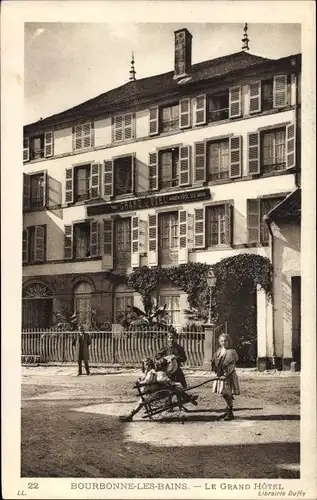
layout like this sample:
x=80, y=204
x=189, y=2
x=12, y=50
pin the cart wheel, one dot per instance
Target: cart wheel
x=164, y=404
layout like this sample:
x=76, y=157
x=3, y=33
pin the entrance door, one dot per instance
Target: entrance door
x=296, y=317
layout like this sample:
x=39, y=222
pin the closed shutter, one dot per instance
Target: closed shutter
x=200, y=110
x=69, y=186
x=118, y=128
x=235, y=166
x=228, y=224
x=26, y=149
x=87, y=135
x=108, y=178
x=95, y=180
x=254, y=221
x=154, y=121
x=107, y=258
x=142, y=236
x=153, y=171
x=128, y=126
x=153, y=240
x=253, y=153
x=26, y=192
x=25, y=246
x=94, y=238
x=199, y=162
x=184, y=160
x=185, y=112
x=68, y=242
x=199, y=228
x=290, y=146
x=255, y=97
x=48, y=144
x=135, y=237
x=279, y=91
x=190, y=231
x=183, y=248
x=234, y=102
x=39, y=243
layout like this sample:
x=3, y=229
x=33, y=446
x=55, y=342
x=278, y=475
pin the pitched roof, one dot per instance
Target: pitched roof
x=132, y=92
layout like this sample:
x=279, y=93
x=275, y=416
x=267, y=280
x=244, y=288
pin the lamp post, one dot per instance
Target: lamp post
x=211, y=281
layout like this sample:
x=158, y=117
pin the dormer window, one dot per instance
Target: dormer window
x=38, y=146
x=218, y=107
x=83, y=136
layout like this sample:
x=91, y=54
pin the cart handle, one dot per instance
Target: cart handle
x=203, y=383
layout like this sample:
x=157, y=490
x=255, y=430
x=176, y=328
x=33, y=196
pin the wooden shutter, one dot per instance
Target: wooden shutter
x=184, y=113
x=290, y=145
x=95, y=180
x=200, y=110
x=94, y=238
x=118, y=128
x=128, y=126
x=108, y=178
x=45, y=188
x=69, y=191
x=254, y=221
x=279, y=91
x=26, y=149
x=132, y=174
x=183, y=248
x=253, y=153
x=293, y=90
x=199, y=228
x=199, y=162
x=39, y=243
x=107, y=244
x=135, y=239
x=78, y=137
x=25, y=246
x=68, y=242
x=153, y=171
x=26, y=192
x=228, y=224
x=184, y=161
x=87, y=141
x=235, y=151
x=154, y=121
x=153, y=240
x=48, y=144
x=255, y=97
x=234, y=102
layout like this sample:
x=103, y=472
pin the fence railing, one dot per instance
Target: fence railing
x=108, y=347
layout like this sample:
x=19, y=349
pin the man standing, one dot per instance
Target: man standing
x=82, y=342
x=177, y=351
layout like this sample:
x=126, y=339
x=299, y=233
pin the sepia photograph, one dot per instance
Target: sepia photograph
x=161, y=272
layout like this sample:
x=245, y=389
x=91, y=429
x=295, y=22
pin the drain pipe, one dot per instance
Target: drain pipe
x=268, y=222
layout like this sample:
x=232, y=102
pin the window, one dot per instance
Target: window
x=168, y=238
x=83, y=136
x=123, y=175
x=219, y=225
x=218, y=159
x=82, y=303
x=122, y=254
x=37, y=306
x=82, y=240
x=122, y=301
x=36, y=147
x=273, y=150
x=34, y=244
x=169, y=118
x=172, y=307
x=272, y=93
x=267, y=94
x=169, y=168
x=218, y=107
x=123, y=127
x=82, y=182
x=34, y=191
x=257, y=227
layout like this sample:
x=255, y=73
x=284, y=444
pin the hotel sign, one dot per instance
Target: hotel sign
x=149, y=202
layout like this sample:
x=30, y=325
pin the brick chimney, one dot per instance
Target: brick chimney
x=182, y=53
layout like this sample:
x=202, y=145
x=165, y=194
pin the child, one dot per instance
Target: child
x=149, y=379
x=223, y=364
x=163, y=378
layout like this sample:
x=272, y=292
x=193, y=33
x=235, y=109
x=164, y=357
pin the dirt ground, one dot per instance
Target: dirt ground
x=70, y=428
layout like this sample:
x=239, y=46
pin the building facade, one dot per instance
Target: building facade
x=175, y=168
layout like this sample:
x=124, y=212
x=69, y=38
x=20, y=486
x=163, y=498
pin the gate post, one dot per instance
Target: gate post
x=208, y=346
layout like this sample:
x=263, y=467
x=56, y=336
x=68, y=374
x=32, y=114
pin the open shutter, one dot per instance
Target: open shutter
x=48, y=144
x=200, y=162
x=118, y=128
x=279, y=91
x=254, y=221
x=228, y=223
x=199, y=228
x=154, y=121
x=293, y=90
x=153, y=240
x=94, y=238
x=95, y=181
x=26, y=149
x=183, y=248
x=290, y=146
x=235, y=167
x=135, y=238
x=184, y=161
x=253, y=153
x=78, y=137
x=128, y=124
x=69, y=195
x=255, y=97
x=108, y=178
x=132, y=174
x=25, y=246
x=39, y=243
x=45, y=188
x=234, y=102
x=107, y=258
x=184, y=113
x=200, y=110
x=153, y=171
x=68, y=242
x=87, y=135
x=26, y=192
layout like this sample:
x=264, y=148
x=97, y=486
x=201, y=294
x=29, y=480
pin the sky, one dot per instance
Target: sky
x=68, y=63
